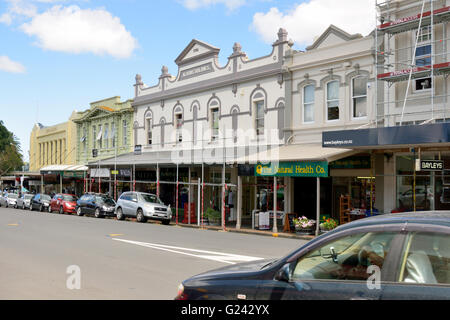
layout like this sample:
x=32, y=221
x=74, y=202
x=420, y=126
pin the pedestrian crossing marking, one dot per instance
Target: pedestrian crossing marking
x=229, y=258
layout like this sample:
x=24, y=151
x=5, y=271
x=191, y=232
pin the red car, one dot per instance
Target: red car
x=63, y=203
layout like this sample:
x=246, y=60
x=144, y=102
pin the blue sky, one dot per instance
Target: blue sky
x=57, y=56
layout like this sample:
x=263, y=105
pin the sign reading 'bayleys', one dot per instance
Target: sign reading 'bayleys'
x=429, y=165
x=293, y=169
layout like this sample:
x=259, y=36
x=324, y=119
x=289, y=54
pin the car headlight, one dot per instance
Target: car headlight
x=46, y=204
x=181, y=295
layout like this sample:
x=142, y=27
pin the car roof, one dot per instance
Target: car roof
x=421, y=217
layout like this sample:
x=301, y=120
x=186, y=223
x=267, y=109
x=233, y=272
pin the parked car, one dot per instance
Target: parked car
x=391, y=256
x=424, y=199
x=40, y=202
x=63, y=203
x=24, y=201
x=99, y=205
x=9, y=200
x=142, y=206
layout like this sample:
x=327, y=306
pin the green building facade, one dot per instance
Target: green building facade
x=104, y=130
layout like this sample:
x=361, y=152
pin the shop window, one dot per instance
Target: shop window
x=359, y=97
x=308, y=104
x=333, y=100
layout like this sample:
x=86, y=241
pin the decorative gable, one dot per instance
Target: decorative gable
x=332, y=36
x=196, y=50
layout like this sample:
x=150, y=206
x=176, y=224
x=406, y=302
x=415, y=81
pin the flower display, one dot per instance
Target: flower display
x=304, y=223
x=328, y=224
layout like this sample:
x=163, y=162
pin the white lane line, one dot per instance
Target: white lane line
x=202, y=254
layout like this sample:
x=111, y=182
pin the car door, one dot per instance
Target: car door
x=35, y=202
x=133, y=204
x=126, y=203
x=423, y=266
x=343, y=266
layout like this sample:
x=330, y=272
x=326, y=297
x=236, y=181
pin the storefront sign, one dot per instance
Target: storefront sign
x=293, y=169
x=429, y=165
x=73, y=174
x=114, y=171
x=355, y=162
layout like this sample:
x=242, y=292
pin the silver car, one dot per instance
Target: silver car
x=24, y=201
x=142, y=206
x=10, y=200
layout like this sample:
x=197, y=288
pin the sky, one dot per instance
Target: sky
x=57, y=56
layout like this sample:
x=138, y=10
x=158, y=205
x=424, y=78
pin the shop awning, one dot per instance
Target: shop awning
x=63, y=168
x=298, y=152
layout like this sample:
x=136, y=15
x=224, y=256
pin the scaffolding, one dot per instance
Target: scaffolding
x=411, y=80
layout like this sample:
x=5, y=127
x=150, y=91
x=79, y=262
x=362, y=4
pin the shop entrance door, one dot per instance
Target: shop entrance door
x=305, y=197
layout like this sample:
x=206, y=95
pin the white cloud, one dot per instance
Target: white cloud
x=197, y=4
x=74, y=30
x=7, y=65
x=312, y=17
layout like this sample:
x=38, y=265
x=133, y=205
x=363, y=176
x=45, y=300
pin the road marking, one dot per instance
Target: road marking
x=115, y=234
x=202, y=254
x=13, y=225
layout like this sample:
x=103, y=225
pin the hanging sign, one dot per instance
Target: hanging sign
x=429, y=165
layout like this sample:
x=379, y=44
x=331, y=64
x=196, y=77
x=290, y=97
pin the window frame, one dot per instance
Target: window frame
x=422, y=43
x=215, y=136
x=312, y=103
x=353, y=97
x=149, y=131
x=259, y=103
x=124, y=132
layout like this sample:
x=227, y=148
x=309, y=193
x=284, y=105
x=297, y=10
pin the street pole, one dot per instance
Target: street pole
x=275, y=227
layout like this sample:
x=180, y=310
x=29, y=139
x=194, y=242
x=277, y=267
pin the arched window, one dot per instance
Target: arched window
x=308, y=103
x=259, y=103
x=178, y=121
x=359, y=97
x=333, y=100
x=214, y=110
x=148, y=127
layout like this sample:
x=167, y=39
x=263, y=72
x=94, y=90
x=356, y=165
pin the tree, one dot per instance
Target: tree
x=10, y=152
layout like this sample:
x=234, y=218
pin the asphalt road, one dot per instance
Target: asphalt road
x=116, y=259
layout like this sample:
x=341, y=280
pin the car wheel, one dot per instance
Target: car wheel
x=97, y=213
x=31, y=207
x=50, y=209
x=23, y=206
x=79, y=212
x=140, y=216
x=41, y=208
x=61, y=210
x=119, y=214
x=166, y=222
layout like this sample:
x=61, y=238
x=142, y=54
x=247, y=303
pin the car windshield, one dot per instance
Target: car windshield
x=105, y=200
x=151, y=198
x=45, y=197
x=69, y=198
x=28, y=196
x=13, y=196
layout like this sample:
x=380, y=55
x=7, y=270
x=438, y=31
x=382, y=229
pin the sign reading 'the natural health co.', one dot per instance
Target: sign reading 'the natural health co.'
x=293, y=169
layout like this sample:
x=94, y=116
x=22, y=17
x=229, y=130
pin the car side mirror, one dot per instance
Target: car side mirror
x=284, y=274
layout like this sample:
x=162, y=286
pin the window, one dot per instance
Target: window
x=100, y=136
x=333, y=100
x=148, y=121
x=259, y=103
x=106, y=136
x=94, y=137
x=214, y=124
x=124, y=132
x=259, y=117
x=423, y=56
x=426, y=259
x=179, y=125
x=346, y=258
x=359, y=97
x=308, y=103
x=113, y=134
x=83, y=139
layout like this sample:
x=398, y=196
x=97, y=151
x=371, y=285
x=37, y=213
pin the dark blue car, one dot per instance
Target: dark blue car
x=392, y=256
x=96, y=204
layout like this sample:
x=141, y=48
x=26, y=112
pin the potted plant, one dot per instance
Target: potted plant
x=213, y=216
x=328, y=225
x=304, y=225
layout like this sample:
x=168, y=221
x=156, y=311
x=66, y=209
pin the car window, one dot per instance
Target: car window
x=45, y=197
x=13, y=196
x=150, y=198
x=133, y=197
x=346, y=258
x=69, y=198
x=28, y=196
x=426, y=259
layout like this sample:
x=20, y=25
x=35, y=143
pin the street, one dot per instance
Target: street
x=116, y=259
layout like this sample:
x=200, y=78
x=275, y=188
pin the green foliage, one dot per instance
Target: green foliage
x=213, y=215
x=10, y=155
